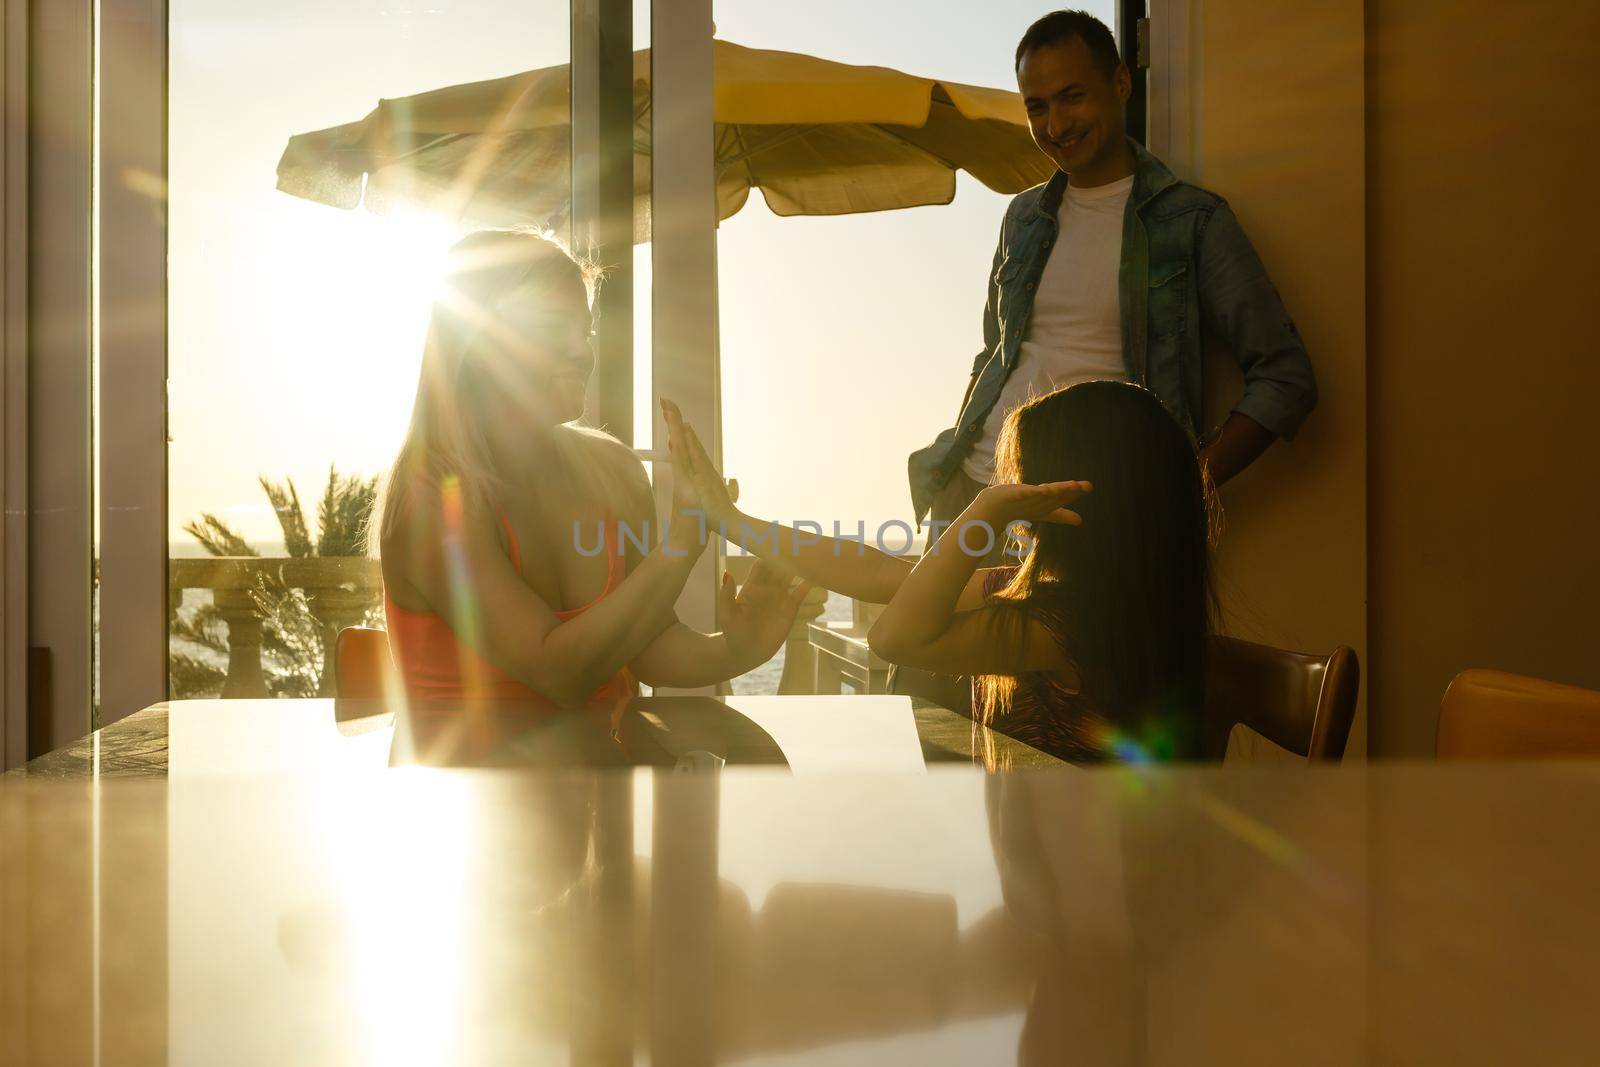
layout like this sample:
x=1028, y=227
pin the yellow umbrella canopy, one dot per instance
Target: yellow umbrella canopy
x=815, y=136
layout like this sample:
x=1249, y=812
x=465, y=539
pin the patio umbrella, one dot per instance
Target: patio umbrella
x=815, y=136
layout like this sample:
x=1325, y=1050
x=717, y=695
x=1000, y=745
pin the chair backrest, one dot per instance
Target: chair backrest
x=1296, y=700
x=1491, y=714
x=361, y=664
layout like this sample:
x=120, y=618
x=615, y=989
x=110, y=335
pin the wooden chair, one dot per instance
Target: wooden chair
x=1299, y=701
x=1494, y=715
x=360, y=664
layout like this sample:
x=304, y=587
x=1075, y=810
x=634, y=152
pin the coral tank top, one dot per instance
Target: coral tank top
x=443, y=674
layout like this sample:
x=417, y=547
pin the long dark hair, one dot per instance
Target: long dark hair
x=1129, y=590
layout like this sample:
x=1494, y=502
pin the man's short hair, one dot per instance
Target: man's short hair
x=1059, y=27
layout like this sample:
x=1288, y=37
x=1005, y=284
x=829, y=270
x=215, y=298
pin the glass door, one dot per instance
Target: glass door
x=847, y=339
x=248, y=403
x=297, y=326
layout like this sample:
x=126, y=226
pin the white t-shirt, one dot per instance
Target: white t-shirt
x=1075, y=331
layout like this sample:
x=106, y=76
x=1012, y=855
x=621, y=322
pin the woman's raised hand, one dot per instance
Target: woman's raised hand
x=756, y=619
x=688, y=526
x=691, y=463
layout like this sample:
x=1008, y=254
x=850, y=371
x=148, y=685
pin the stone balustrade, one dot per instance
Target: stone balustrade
x=338, y=591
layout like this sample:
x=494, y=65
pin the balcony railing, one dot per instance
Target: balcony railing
x=339, y=590
x=842, y=656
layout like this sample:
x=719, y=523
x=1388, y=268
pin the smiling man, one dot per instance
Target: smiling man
x=1114, y=268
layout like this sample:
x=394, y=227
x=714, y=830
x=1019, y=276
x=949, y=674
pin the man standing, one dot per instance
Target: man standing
x=1113, y=269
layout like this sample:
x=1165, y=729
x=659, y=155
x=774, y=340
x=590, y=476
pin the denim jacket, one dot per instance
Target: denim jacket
x=1187, y=267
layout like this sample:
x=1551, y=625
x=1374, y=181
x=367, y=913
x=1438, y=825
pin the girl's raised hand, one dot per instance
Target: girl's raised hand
x=1005, y=504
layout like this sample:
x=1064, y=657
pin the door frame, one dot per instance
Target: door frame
x=1168, y=88
x=132, y=388
x=49, y=492
x=14, y=387
x=83, y=333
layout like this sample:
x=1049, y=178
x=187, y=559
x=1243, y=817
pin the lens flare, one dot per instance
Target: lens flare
x=464, y=606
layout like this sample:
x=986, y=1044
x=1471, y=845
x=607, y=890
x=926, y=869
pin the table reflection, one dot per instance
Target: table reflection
x=443, y=919
x=427, y=916
x=750, y=914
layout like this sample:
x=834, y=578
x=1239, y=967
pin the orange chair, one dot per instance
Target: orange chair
x=361, y=664
x=1301, y=702
x=1494, y=715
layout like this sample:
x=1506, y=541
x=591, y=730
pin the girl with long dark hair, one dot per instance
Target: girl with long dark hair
x=1091, y=648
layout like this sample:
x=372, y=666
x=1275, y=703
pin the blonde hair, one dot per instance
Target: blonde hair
x=446, y=437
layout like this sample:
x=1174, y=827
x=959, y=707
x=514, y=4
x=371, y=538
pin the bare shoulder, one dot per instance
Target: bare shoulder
x=618, y=462
x=603, y=448
x=621, y=480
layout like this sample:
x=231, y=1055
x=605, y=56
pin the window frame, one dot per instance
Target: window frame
x=49, y=624
x=14, y=388
x=1169, y=121
x=131, y=303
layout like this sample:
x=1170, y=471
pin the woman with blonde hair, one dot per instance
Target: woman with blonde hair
x=521, y=572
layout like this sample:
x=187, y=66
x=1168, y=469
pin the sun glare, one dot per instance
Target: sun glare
x=402, y=871
x=406, y=253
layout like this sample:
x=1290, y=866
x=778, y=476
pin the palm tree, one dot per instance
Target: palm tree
x=292, y=641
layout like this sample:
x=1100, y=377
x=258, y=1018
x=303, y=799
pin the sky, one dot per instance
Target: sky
x=296, y=328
